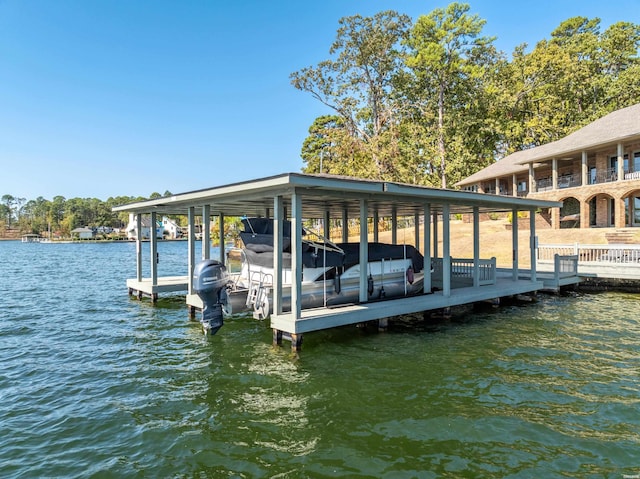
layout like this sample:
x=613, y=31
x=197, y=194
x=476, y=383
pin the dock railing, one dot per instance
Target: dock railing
x=600, y=253
x=565, y=266
x=462, y=271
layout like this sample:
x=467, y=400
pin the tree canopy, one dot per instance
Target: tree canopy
x=432, y=101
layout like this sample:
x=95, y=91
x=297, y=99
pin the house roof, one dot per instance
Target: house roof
x=618, y=126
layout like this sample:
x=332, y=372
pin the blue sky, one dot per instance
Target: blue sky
x=102, y=98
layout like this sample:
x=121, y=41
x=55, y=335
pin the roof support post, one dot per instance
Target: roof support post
x=206, y=232
x=514, y=242
x=326, y=224
x=139, y=247
x=585, y=169
x=278, y=211
x=345, y=225
x=532, y=179
x=514, y=185
x=364, y=251
x=435, y=234
x=296, y=256
x=446, y=253
x=554, y=174
x=191, y=246
x=376, y=220
x=416, y=230
x=223, y=257
x=427, y=248
x=620, y=172
x=533, y=243
x=394, y=225
x=476, y=246
x=153, y=243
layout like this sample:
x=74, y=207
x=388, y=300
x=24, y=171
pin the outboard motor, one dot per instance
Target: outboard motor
x=210, y=281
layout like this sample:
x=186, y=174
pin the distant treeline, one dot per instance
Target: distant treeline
x=61, y=215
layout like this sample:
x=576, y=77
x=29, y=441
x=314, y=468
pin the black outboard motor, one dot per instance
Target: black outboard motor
x=210, y=281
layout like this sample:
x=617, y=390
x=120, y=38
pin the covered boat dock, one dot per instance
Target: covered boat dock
x=300, y=197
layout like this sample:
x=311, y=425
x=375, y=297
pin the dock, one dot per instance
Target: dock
x=326, y=199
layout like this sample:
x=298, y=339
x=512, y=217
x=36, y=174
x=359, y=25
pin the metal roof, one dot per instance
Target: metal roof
x=321, y=193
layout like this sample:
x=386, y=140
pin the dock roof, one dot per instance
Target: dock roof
x=322, y=193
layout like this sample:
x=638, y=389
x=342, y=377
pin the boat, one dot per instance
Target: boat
x=330, y=271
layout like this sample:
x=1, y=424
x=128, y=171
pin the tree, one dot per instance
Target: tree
x=8, y=203
x=447, y=55
x=357, y=85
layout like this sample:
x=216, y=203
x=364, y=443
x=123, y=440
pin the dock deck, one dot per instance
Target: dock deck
x=323, y=318
x=164, y=284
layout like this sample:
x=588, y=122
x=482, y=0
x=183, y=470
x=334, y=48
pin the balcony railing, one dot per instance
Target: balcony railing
x=569, y=181
x=604, y=176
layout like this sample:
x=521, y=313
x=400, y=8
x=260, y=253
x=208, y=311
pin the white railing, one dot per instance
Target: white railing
x=565, y=266
x=463, y=268
x=600, y=253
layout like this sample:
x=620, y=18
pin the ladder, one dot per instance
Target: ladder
x=258, y=295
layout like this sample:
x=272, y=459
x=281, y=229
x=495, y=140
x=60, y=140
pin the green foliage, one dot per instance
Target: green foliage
x=432, y=102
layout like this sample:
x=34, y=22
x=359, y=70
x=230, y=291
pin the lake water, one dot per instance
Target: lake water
x=95, y=384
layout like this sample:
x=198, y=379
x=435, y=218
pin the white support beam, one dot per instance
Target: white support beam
x=364, y=251
x=446, y=253
x=435, y=235
x=191, y=246
x=620, y=169
x=427, y=248
x=296, y=256
x=476, y=247
x=139, y=246
x=514, y=242
x=416, y=230
x=376, y=220
x=206, y=232
x=153, y=245
x=394, y=226
x=533, y=244
x=223, y=258
x=585, y=169
x=278, y=209
x=532, y=179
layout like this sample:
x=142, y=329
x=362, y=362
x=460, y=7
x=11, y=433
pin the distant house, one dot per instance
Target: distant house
x=594, y=171
x=171, y=229
x=145, y=221
x=82, y=233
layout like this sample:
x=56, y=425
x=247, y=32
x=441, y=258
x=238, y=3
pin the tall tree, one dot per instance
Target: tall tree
x=447, y=52
x=358, y=83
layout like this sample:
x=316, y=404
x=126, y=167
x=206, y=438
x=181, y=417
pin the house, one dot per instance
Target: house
x=594, y=171
x=83, y=233
x=145, y=227
x=171, y=229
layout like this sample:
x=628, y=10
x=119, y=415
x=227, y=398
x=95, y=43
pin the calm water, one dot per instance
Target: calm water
x=94, y=384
